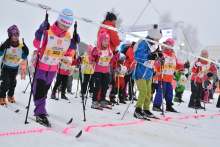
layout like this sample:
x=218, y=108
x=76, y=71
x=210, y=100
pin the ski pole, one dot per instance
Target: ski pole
x=87, y=89
x=75, y=36
x=161, y=86
x=24, y=91
x=131, y=101
x=35, y=71
x=77, y=87
x=29, y=74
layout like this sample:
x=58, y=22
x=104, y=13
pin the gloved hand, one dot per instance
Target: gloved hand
x=209, y=74
x=45, y=26
x=153, y=56
x=76, y=37
x=79, y=60
x=187, y=64
x=160, y=54
x=198, y=64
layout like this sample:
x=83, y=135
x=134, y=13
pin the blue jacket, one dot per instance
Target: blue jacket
x=141, y=55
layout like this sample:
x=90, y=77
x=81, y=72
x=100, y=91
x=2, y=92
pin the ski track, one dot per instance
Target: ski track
x=105, y=128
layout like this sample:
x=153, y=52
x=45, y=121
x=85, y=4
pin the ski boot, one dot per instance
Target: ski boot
x=42, y=119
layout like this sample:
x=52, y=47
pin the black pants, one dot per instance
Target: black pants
x=70, y=83
x=178, y=95
x=218, y=103
x=9, y=81
x=196, y=95
x=87, y=79
x=101, y=81
x=113, y=88
x=61, y=80
x=130, y=83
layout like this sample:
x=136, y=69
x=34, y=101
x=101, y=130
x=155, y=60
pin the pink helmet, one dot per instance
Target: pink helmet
x=170, y=42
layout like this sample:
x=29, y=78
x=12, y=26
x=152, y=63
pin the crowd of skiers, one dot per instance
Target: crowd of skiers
x=109, y=65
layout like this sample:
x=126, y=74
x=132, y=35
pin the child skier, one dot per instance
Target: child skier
x=130, y=64
x=56, y=43
x=200, y=69
x=87, y=71
x=144, y=71
x=165, y=71
x=64, y=70
x=120, y=72
x=13, y=52
x=102, y=56
x=181, y=78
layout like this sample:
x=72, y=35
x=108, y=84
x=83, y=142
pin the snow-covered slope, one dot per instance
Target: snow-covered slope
x=105, y=128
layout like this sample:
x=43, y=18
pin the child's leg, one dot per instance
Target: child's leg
x=57, y=83
x=104, y=85
x=97, y=87
x=218, y=103
x=12, y=83
x=86, y=78
x=4, y=86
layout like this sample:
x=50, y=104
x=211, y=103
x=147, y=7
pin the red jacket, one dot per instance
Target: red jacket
x=114, y=38
x=200, y=70
x=129, y=61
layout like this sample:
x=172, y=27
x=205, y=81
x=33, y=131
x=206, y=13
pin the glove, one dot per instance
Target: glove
x=5, y=45
x=187, y=64
x=25, y=48
x=160, y=54
x=115, y=52
x=198, y=64
x=153, y=56
x=187, y=75
x=79, y=60
x=45, y=26
x=76, y=37
x=209, y=74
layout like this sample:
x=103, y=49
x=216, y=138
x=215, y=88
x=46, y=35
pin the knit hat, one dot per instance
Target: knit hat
x=13, y=30
x=155, y=33
x=66, y=17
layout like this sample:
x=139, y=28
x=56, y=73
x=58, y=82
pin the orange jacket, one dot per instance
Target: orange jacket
x=171, y=64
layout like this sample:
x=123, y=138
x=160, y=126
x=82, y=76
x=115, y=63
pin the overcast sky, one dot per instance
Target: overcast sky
x=202, y=14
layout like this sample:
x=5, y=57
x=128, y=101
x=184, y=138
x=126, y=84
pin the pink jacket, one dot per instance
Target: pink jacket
x=41, y=50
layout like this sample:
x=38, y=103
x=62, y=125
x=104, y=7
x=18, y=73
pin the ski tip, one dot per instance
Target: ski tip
x=70, y=121
x=79, y=134
x=16, y=111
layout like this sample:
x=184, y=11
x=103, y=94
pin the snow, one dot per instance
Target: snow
x=105, y=128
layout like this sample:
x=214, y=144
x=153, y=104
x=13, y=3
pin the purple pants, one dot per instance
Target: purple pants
x=41, y=85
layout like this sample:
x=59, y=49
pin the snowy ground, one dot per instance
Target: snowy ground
x=105, y=128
